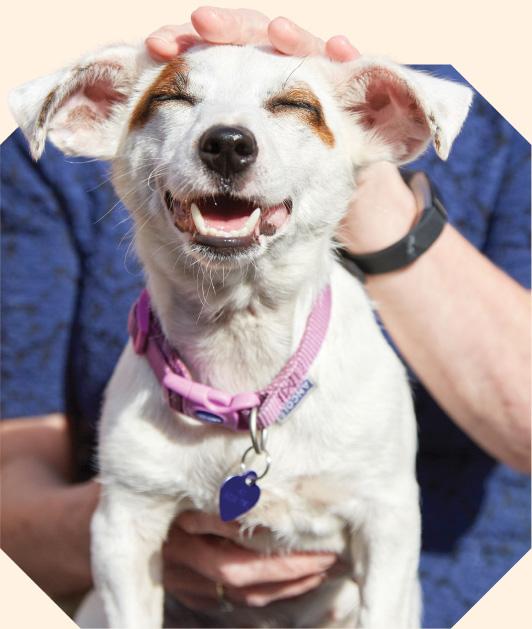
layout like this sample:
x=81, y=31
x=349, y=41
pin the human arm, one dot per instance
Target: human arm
x=45, y=517
x=461, y=323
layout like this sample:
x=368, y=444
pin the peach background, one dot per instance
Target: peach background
x=487, y=43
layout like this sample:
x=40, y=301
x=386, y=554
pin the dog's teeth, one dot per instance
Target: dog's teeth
x=251, y=222
x=198, y=219
x=206, y=230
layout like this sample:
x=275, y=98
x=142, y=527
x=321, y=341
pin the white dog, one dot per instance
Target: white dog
x=237, y=164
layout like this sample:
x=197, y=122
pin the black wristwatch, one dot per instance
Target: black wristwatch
x=422, y=235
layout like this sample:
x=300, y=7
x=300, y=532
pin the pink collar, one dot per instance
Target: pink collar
x=217, y=407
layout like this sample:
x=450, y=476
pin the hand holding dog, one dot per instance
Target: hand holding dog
x=202, y=553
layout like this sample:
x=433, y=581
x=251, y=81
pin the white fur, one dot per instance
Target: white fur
x=343, y=476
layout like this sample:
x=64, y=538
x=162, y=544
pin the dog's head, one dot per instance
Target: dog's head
x=234, y=154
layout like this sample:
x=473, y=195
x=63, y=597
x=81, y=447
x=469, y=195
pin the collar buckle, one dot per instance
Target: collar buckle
x=210, y=405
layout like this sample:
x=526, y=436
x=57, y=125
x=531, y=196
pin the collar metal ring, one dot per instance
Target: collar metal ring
x=258, y=435
x=268, y=462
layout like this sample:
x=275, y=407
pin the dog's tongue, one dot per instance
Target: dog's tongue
x=225, y=213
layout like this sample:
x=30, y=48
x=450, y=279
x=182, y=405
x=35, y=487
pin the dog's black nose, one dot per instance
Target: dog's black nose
x=228, y=150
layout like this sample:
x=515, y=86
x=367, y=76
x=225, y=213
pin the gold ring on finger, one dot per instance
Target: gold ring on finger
x=223, y=603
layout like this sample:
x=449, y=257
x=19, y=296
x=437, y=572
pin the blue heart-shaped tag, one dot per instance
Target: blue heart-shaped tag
x=238, y=494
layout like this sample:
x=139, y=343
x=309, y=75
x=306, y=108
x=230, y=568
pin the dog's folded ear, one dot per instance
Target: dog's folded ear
x=82, y=108
x=400, y=109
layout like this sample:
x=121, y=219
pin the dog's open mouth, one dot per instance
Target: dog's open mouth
x=226, y=222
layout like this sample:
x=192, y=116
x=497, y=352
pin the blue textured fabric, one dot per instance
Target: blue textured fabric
x=68, y=283
x=69, y=277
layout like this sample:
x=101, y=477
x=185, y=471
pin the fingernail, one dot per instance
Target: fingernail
x=215, y=12
x=288, y=24
x=344, y=42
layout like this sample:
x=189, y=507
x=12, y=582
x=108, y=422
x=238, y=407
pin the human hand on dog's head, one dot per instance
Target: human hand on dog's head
x=245, y=26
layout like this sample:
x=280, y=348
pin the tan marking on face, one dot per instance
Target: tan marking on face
x=301, y=101
x=172, y=81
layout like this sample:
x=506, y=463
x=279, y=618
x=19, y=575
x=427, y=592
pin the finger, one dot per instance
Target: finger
x=261, y=595
x=291, y=39
x=198, y=603
x=168, y=41
x=183, y=583
x=232, y=565
x=230, y=26
x=180, y=580
x=339, y=48
x=200, y=523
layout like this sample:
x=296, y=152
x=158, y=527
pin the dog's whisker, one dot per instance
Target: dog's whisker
x=110, y=178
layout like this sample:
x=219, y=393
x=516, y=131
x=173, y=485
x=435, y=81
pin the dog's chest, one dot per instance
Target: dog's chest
x=304, y=496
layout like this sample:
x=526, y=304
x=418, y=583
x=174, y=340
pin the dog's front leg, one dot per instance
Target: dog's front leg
x=386, y=554
x=128, y=530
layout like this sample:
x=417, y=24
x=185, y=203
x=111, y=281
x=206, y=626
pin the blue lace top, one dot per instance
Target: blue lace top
x=69, y=277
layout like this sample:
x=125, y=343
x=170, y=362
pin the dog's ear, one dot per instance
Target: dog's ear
x=82, y=108
x=401, y=110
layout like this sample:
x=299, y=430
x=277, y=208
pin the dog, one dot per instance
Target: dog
x=237, y=164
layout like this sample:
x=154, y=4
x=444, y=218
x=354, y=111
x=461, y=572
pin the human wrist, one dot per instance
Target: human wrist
x=383, y=211
x=406, y=250
x=362, y=239
x=72, y=509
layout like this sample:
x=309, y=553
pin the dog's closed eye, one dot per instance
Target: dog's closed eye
x=174, y=96
x=301, y=101
x=286, y=103
x=171, y=85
